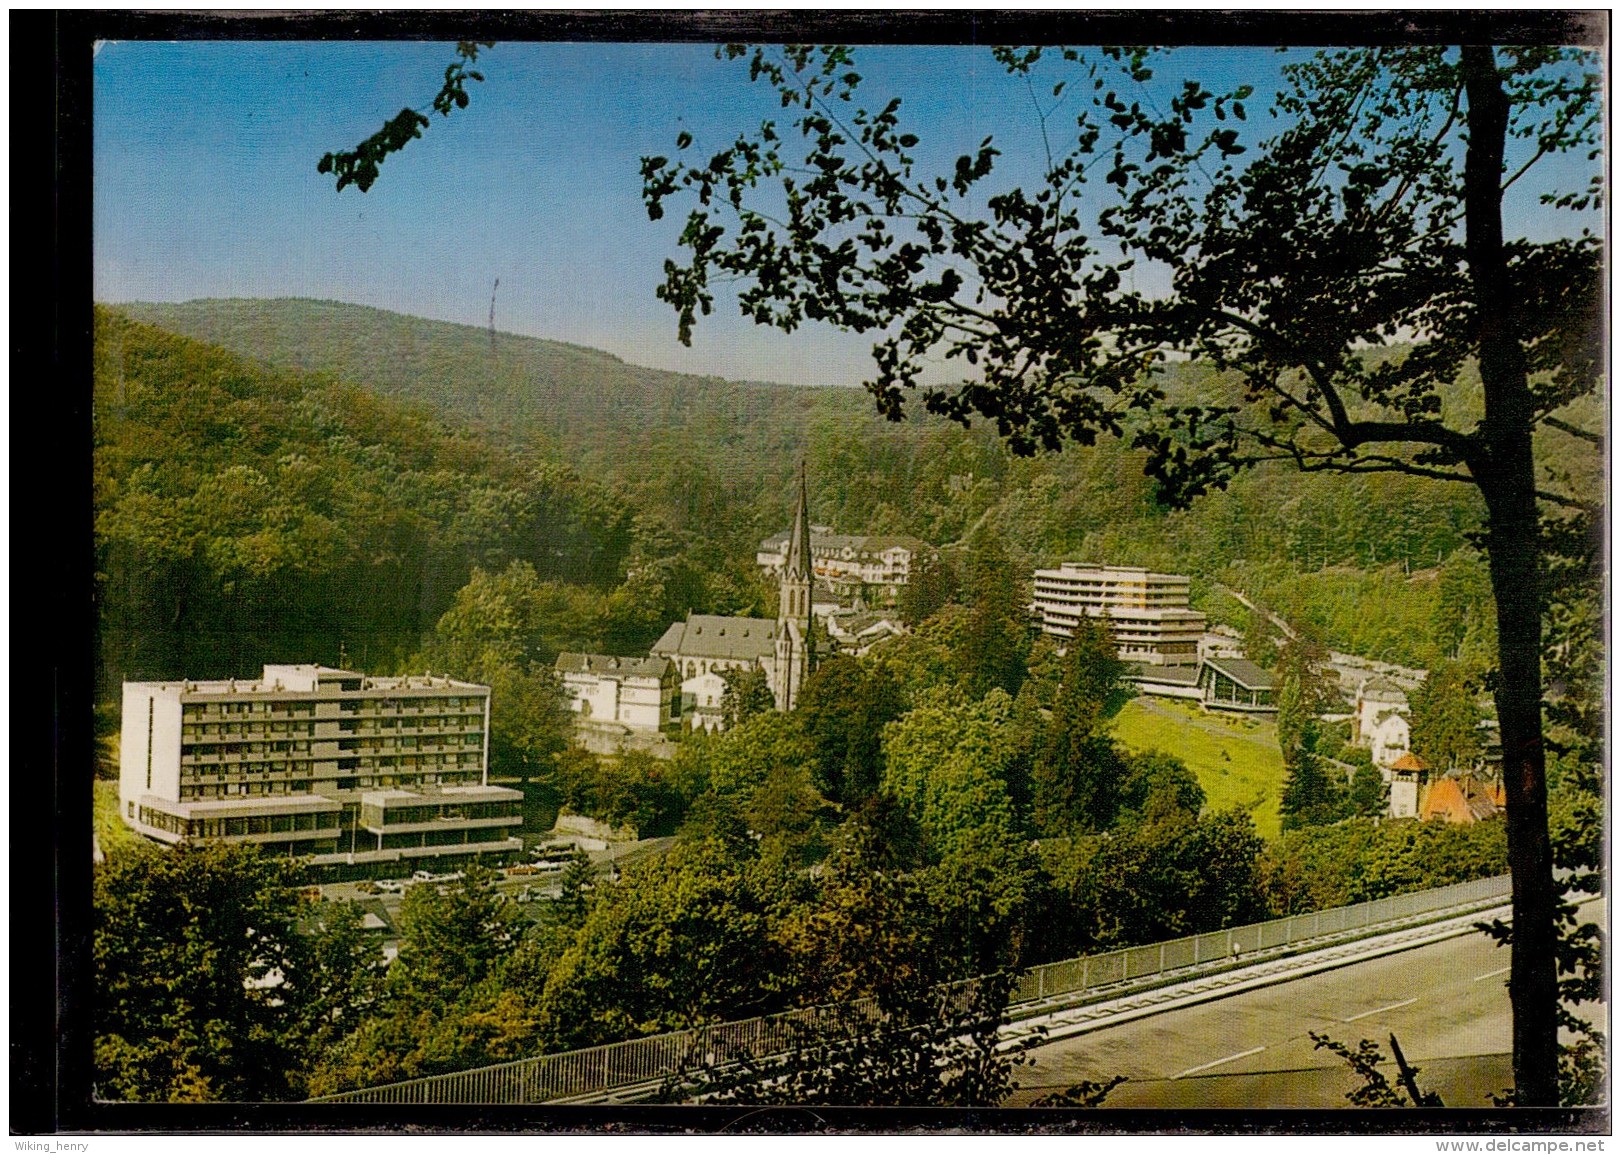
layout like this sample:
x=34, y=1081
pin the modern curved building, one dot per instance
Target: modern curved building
x=1148, y=613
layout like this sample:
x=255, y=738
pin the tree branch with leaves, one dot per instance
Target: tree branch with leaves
x=1348, y=271
x=359, y=166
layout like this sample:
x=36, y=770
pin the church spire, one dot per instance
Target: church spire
x=799, y=547
x=796, y=646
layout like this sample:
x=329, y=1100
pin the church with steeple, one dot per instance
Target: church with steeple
x=796, y=645
x=705, y=647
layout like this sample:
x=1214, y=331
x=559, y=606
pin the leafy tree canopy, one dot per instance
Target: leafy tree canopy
x=201, y=994
x=945, y=760
x=1359, y=169
x=1446, y=717
x=682, y=939
x=1368, y=213
x=843, y=708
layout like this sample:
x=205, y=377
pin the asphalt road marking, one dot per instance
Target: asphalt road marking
x=1380, y=1010
x=1492, y=974
x=1218, y=1062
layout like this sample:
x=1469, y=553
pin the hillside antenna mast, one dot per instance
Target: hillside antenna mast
x=494, y=287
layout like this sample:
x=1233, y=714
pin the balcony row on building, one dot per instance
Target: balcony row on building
x=360, y=775
x=1161, y=640
x=871, y=566
x=1147, y=613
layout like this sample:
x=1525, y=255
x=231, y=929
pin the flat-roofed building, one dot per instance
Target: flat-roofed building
x=410, y=820
x=299, y=760
x=1148, y=613
x=1163, y=681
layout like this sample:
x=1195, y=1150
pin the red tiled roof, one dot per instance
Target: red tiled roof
x=1458, y=800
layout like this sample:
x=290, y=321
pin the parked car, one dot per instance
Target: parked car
x=390, y=886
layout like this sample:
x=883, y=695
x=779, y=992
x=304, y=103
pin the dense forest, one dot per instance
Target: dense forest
x=245, y=512
x=1363, y=559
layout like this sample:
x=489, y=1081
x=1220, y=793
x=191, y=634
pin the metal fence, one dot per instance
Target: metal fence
x=636, y=1061
x=1100, y=970
x=627, y=1064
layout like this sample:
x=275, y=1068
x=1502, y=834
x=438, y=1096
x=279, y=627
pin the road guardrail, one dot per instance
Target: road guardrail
x=568, y=1074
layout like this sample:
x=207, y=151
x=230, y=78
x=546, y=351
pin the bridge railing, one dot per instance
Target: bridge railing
x=1075, y=975
x=638, y=1061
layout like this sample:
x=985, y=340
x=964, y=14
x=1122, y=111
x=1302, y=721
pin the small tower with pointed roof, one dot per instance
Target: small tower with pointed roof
x=796, y=650
x=1407, y=775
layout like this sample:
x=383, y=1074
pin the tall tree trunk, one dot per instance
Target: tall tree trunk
x=1506, y=473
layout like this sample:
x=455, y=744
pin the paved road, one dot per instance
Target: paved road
x=1445, y=1002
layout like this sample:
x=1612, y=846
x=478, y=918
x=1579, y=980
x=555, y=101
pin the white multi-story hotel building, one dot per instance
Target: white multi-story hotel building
x=1148, y=613
x=848, y=563
x=348, y=770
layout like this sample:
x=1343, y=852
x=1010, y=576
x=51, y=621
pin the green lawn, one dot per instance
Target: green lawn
x=111, y=832
x=1236, y=760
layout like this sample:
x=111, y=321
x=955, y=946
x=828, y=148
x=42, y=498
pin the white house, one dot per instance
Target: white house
x=702, y=696
x=880, y=563
x=1389, y=738
x=1380, y=722
x=637, y=693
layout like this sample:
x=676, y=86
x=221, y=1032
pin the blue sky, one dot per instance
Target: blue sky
x=206, y=186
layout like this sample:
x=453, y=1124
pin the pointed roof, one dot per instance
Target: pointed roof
x=1461, y=799
x=607, y=665
x=1382, y=688
x=1409, y=761
x=713, y=636
x=1243, y=671
x=798, y=564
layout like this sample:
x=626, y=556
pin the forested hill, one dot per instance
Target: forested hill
x=710, y=462
x=700, y=450
x=571, y=393
x=246, y=513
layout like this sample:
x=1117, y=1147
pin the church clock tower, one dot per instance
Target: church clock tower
x=796, y=649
